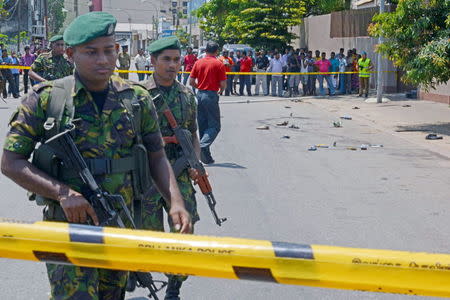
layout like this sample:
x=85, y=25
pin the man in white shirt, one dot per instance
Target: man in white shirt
x=276, y=66
x=140, y=61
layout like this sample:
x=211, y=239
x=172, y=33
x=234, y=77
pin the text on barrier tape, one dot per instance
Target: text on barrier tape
x=278, y=262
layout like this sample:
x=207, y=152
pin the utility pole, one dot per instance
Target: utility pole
x=19, y=10
x=380, y=77
x=45, y=19
x=75, y=7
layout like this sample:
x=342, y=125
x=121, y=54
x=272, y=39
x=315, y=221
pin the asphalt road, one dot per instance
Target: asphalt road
x=273, y=188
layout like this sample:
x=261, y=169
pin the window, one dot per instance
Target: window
x=174, y=4
x=185, y=4
x=185, y=11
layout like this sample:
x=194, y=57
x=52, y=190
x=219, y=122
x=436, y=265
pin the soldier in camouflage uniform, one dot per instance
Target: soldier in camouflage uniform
x=124, y=62
x=104, y=131
x=166, y=58
x=52, y=65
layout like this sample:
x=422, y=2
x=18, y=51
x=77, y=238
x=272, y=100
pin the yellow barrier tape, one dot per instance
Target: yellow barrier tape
x=228, y=73
x=286, y=263
x=14, y=67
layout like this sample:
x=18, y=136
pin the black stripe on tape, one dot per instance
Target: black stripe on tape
x=258, y=274
x=52, y=257
x=86, y=234
x=292, y=250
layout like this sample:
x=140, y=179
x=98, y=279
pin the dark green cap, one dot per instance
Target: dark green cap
x=170, y=42
x=56, y=38
x=89, y=26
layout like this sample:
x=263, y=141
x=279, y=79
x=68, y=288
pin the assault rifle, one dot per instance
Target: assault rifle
x=102, y=202
x=189, y=159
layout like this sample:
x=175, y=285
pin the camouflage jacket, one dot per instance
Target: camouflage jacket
x=124, y=61
x=106, y=135
x=52, y=67
x=181, y=102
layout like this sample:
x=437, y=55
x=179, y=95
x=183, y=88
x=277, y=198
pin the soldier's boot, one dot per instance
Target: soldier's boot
x=173, y=289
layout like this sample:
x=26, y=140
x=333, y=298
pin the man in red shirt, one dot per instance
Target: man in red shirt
x=244, y=80
x=209, y=77
x=228, y=63
x=189, y=61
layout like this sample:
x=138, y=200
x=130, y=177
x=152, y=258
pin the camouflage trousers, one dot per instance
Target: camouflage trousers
x=80, y=283
x=153, y=217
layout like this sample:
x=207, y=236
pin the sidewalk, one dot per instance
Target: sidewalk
x=410, y=120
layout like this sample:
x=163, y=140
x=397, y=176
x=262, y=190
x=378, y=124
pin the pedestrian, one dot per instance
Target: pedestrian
x=209, y=77
x=111, y=140
x=139, y=62
x=124, y=62
x=364, y=68
x=26, y=61
x=355, y=76
x=303, y=70
x=166, y=57
x=228, y=63
x=15, y=73
x=349, y=69
x=236, y=69
x=311, y=78
x=276, y=66
x=188, y=63
x=334, y=68
x=246, y=65
x=342, y=76
x=51, y=65
x=294, y=79
x=149, y=67
x=7, y=76
x=324, y=66
x=262, y=63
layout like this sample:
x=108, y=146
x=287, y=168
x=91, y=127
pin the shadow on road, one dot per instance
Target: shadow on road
x=440, y=128
x=227, y=165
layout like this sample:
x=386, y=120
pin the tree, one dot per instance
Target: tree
x=417, y=40
x=259, y=23
x=183, y=36
x=213, y=17
x=57, y=16
x=3, y=12
x=322, y=7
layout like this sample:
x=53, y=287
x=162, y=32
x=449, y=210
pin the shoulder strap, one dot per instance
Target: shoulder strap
x=60, y=98
x=133, y=107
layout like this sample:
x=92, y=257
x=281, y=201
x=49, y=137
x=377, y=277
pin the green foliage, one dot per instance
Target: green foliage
x=56, y=17
x=417, y=40
x=183, y=36
x=322, y=7
x=6, y=40
x=3, y=12
x=259, y=23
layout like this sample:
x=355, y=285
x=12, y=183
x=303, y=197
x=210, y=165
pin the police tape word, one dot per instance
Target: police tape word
x=276, y=262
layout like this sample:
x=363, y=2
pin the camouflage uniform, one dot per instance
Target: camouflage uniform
x=106, y=135
x=124, y=64
x=186, y=116
x=52, y=67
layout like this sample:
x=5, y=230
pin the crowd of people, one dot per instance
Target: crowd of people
x=350, y=72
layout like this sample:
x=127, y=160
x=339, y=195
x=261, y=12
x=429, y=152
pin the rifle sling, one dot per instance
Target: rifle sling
x=102, y=166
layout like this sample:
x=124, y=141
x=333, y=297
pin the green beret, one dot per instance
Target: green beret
x=171, y=42
x=56, y=38
x=89, y=26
